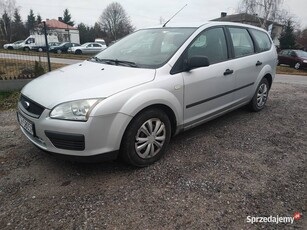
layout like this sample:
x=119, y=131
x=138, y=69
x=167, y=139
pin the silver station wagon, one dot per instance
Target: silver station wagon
x=129, y=99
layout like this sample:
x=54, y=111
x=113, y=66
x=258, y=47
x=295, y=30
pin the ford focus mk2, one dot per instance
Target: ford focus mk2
x=129, y=99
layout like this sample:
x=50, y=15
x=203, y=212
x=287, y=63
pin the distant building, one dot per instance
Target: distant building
x=65, y=32
x=274, y=28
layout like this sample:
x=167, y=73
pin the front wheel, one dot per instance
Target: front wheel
x=297, y=65
x=146, y=138
x=260, y=97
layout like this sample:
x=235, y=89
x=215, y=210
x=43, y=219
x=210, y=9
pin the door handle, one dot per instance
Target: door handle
x=228, y=71
x=258, y=63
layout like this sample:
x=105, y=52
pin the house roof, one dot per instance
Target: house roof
x=55, y=24
x=243, y=18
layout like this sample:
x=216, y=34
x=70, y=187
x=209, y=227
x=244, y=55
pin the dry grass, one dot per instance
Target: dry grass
x=8, y=100
x=44, y=54
x=13, y=69
x=290, y=71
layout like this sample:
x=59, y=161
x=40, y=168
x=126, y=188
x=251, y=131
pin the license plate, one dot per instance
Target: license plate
x=26, y=124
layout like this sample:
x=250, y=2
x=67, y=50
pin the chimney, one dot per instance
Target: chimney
x=60, y=19
x=223, y=14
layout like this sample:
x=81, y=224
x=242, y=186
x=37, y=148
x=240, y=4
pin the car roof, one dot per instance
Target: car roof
x=198, y=24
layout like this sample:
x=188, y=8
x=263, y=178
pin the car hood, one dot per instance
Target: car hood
x=83, y=81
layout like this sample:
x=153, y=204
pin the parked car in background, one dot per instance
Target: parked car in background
x=87, y=48
x=63, y=47
x=43, y=48
x=154, y=83
x=13, y=46
x=51, y=44
x=294, y=58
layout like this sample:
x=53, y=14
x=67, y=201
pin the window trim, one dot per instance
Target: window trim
x=231, y=43
x=258, y=50
x=178, y=66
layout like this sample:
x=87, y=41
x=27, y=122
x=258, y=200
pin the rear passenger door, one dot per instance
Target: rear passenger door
x=247, y=64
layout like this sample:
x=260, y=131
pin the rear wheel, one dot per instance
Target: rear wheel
x=10, y=48
x=146, y=138
x=260, y=97
x=78, y=52
x=40, y=49
x=59, y=51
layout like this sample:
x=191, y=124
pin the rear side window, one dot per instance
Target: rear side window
x=262, y=39
x=242, y=42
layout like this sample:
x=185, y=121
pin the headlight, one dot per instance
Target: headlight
x=305, y=61
x=74, y=110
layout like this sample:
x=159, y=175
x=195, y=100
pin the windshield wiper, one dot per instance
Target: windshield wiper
x=118, y=62
x=95, y=58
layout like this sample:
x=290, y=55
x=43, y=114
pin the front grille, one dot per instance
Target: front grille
x=66, y=140
x=30, y=107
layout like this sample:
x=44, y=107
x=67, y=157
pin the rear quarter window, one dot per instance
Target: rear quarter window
x=262, y=39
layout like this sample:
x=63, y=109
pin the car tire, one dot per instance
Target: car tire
x=297, y=65
x=260, y=97
x=10, y=48
x=59, y=51
x=40, y=49
x=26, y=49
x=154, y=128
x=78, y=52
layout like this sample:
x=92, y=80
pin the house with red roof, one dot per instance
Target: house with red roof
x=64, y=32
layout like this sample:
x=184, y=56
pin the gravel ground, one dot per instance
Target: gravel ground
x=212, y=177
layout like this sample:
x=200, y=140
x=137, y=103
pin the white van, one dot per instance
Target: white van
x=101, y=41
x=37, y=42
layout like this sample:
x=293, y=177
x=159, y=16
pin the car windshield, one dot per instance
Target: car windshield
x=301, y=54
x=148, y=48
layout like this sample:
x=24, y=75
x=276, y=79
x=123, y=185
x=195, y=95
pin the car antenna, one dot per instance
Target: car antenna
x=174, y=15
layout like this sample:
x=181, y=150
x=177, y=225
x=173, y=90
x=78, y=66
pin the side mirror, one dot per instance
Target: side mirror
x=197, y=62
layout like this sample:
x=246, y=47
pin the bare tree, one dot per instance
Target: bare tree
x=7, y=8
x=264, y=9
x=115, y=21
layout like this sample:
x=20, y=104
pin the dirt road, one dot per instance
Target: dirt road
x=212, y=177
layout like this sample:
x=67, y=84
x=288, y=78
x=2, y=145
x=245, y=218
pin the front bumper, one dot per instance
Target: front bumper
x=98, y=135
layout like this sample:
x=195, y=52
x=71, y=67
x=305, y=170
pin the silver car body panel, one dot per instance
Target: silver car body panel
x=194, y=96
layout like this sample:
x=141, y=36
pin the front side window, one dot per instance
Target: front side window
x=262, y=39
x=242, y=42
x=210, y=43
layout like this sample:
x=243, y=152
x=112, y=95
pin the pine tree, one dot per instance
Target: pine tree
x=38, y=19
x=18, y=29
x=31, y=21
x=287, y=37
x=67, y=18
